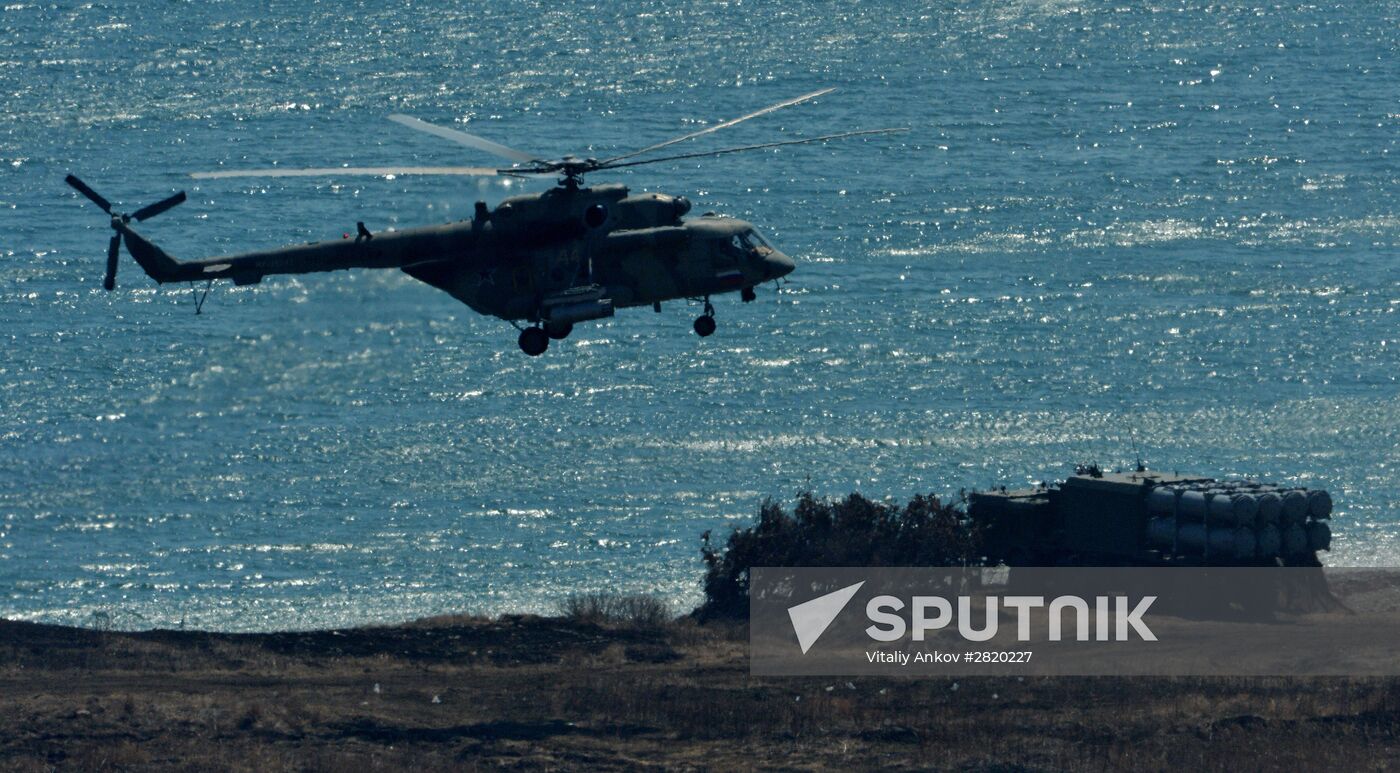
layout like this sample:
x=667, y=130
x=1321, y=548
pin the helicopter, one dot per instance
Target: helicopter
x=541, y=261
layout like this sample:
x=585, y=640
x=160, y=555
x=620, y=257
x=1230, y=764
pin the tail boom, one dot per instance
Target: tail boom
x=385, y=250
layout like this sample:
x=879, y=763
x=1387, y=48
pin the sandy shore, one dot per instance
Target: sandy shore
x=530, y=692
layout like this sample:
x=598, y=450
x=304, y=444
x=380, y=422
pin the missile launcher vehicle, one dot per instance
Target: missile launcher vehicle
x=1145, y=518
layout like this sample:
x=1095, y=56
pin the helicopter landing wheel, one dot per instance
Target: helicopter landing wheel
x=533, y=341
x=747, y=295
x=704, y=325
x=558, y=331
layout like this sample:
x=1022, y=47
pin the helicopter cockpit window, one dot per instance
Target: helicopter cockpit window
x=757, y=238
x=746, y=243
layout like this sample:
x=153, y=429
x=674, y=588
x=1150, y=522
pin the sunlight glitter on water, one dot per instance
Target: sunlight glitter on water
x=1083, y=244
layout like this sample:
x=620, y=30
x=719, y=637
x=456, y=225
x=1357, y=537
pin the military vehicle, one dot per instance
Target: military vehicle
x=549, y=260
x=1145, y=518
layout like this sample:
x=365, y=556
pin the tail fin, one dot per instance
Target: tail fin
x=160, y=266
x=156, y=262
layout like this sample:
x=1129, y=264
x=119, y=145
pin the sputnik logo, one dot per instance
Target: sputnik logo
x=810, y=619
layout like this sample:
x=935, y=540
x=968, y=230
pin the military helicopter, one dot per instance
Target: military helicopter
x=542, y=261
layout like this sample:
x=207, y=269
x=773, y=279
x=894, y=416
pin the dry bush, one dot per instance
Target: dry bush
x=599, y=608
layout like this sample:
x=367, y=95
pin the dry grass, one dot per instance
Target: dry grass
x=556, y=693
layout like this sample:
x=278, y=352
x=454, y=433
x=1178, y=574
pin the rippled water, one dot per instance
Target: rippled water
x=1174, y=226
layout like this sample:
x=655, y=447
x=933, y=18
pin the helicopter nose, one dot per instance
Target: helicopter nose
x=776, y=264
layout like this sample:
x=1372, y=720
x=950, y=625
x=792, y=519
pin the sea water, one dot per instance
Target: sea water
x=1113, y=230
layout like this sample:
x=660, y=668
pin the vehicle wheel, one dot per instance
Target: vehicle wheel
x=704, y=325
x=558, y=332
x=747, y=295
x=533, y=341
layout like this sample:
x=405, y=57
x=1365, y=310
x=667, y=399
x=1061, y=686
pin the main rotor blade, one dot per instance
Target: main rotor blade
x=751, y=147
x=110, y=280
x=373, y=171
x=470, y=140
x=92, y=195
x=724, y=125
x=152, y=210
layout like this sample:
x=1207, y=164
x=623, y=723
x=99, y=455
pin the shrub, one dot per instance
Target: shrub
x=854, y=531
x=601, y=608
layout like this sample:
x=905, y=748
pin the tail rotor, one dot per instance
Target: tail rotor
x=109, y=281
x=83, y=188
x=146, y=213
